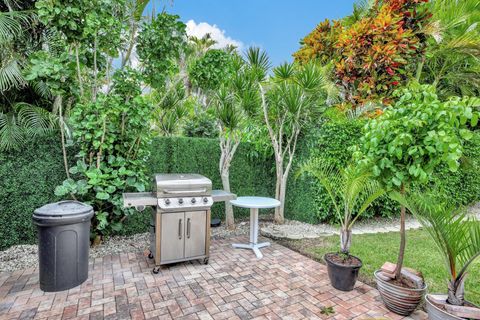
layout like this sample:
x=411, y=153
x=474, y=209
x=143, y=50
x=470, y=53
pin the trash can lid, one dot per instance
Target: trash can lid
x=67, y=208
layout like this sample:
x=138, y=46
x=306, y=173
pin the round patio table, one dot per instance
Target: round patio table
x=254, y=204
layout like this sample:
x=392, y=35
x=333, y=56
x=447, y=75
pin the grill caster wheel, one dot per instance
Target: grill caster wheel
x=156, y=270
x=205, y=261
x=150, y=255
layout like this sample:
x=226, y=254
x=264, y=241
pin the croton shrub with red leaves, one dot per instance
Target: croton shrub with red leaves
x=320, y=43
x=374, y=55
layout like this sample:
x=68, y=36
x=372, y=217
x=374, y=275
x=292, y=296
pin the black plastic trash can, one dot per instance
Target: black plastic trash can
x=63, y=244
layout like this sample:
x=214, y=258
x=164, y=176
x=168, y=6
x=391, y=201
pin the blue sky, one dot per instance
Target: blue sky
x=274, y=25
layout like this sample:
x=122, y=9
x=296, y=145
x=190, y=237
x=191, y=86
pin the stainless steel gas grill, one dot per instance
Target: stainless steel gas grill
x=180, y=228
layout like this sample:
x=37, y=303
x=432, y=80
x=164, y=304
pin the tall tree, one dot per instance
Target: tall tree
x=290, y=99
x=412, y=137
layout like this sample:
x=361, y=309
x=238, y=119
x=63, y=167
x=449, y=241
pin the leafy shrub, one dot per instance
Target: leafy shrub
x=417, y=134
x=212, y=69
x=113, y=136
x=373, y=51
x=159, y=44
x=201, y=125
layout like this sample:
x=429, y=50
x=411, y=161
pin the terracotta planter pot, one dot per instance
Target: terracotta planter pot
x=402, y=301
x=342, y=277
x=436, y=313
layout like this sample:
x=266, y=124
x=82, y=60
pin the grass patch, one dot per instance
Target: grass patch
x=375, y=249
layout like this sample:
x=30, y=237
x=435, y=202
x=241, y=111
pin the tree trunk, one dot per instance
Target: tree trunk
x=279, y=193
x=79, y=74
x=456, y=292
x=401, y=252
x=229, y=218
x=227, y=148
x=345, y=240
x=59, y=102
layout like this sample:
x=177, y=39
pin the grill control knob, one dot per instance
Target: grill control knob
x=205, y=200
x=167, y=201
x=194, y=200
x=180, y=201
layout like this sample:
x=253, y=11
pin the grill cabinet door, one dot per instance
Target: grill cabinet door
x=195, y=231
x=173, y=236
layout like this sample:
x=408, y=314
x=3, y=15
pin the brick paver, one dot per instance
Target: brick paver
x=234, y=285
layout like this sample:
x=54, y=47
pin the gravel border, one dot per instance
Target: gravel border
x=21, y=257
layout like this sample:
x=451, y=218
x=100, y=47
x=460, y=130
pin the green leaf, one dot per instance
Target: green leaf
x=102, y=195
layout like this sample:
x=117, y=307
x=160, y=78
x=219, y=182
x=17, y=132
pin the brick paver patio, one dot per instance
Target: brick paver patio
x=235, y=285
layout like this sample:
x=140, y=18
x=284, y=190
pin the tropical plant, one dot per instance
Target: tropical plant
x=203, y=44
x=377, y=52
x=452, y=61
x=110, y=119
x=211, y=70
x=456, y=234
x=113, y=134
x=170, y=107
x=233, y=103
x=25, y=106
x=290, y=99
x=351, y=191
x=160, y=43
x=374, y=50
x=412, y=137
x=320, y=43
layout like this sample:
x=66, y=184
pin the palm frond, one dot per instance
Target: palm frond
x=456, y=235
x=284, y=72
x=23, y=122
x=258, y=58
x=12, y=23
x=10, y=72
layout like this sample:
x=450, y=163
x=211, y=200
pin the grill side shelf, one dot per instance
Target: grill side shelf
x=222, y=196
x=139, y=200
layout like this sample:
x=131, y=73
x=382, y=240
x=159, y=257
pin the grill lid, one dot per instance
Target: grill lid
x=180, y=185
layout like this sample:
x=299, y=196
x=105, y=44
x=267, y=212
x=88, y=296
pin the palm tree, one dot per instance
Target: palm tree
x=202, y=44
x=455, y=233
x=22, y=104
x=452, y=63
x=352, y=191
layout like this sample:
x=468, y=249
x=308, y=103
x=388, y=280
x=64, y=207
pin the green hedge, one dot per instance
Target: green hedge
x=307, y=200
x=28, y=178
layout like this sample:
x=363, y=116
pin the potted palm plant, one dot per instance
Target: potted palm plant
x=352, y=191
x=457, y=238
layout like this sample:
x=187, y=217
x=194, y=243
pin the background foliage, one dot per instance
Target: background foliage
x=38, y=170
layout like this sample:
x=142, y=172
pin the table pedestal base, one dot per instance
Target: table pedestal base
x=252, y=246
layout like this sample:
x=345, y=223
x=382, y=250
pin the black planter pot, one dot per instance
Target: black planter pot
x=342, y=277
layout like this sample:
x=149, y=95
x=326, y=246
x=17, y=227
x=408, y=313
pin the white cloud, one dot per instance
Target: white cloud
x=200, y=29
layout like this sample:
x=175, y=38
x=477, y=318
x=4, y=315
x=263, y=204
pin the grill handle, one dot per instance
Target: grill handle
x=188, y=228
x=185, y=191
x=180, y=229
